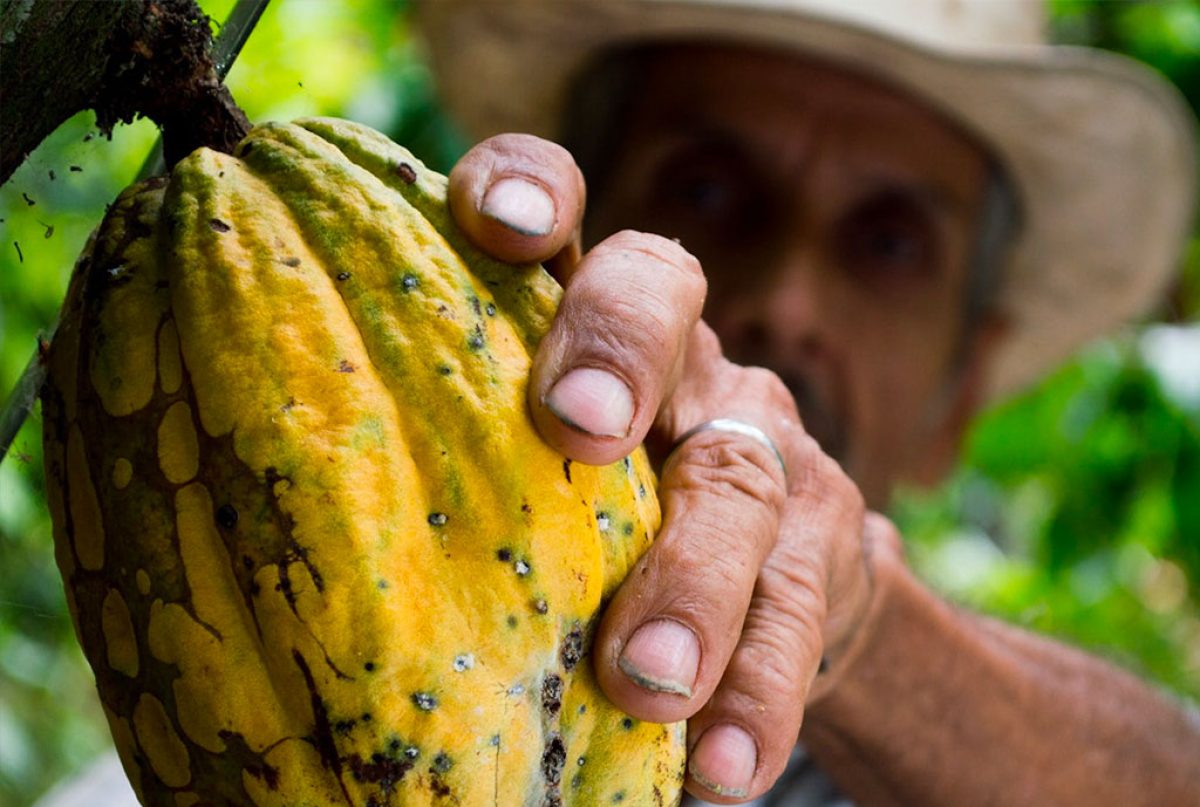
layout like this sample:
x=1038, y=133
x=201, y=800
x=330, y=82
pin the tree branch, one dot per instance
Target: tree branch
x=122, y=59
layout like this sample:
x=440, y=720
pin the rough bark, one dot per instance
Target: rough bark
x=122, y=59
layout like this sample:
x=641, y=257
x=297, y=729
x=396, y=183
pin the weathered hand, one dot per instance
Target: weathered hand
x=756, y=575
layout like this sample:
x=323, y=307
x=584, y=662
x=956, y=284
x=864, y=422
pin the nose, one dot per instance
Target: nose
x=775, y=314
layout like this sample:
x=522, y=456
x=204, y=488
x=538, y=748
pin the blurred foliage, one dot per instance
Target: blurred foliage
x=1076, y=511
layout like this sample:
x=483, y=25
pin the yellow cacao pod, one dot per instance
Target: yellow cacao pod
x=314, y=549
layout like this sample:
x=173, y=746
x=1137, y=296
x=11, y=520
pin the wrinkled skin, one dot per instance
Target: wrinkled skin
x=828, y=220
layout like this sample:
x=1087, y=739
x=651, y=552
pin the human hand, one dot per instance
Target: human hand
x=757, y=574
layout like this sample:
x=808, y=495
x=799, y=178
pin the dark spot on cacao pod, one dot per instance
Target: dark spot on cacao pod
x=344, y=727
x=475, y=306
x=582, y=708
x=641, y=491
x=618, y=797
x=369, y=666
x=74, y=168
x=541, y=606
x=438, y=519
x=406, y=172
x=292, y=262
x=476, y=341
x=442, y=762
x=412, y=752
x=437, y=786
x=521, y=567
x=20, y=255
x=343, y=275
x=628, y=528
x=577, y=780
x=491, y=310
x=248, y=561
x=445, y=369
x=525, y=508
x=219, y=226
x=409, y=282
x=227, y=518
x=554, y=757
x=51, y=174
x=552, y=689
x=504, y=555
x=627, y=723
x=512, y=621
x=572, y=649
x=366, y=717
x=385, y=772
x=345, y=366
x=581, y=761
x=567, y=470
x=382, y=584
x=28, y=201
x=268, y=774
x=424, y=701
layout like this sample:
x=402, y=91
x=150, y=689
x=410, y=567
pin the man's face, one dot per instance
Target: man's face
x=834, y=219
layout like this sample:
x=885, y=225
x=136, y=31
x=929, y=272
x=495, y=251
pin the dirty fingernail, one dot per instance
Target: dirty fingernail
x=724, y=761
x=592, y=401
x=519, y=205
x=662, y=656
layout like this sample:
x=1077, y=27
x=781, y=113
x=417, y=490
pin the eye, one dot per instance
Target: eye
x=705, y=191
x=888, y=235
x=709, y=196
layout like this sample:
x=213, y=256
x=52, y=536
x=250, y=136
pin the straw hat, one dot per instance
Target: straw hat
x=1100, y=147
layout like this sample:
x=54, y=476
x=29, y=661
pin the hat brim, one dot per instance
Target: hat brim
x=1100, y=148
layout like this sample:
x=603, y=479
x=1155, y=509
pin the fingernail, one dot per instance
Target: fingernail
x=592, y=401
x=662, y=656
x=519, y=205
x=724, y=761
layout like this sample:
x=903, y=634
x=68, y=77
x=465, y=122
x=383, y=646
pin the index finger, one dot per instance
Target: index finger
x=519, y=198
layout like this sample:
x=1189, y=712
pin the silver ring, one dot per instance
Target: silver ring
x=734, y=427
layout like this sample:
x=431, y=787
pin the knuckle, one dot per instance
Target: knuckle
x=822, y=479
x=882, y=532
x=713, y=575
x=668, y=254
x=793, y=604
x=730, y=467
x=776, y=658
x=772, y=390
x=706, y=359
x=627, y=331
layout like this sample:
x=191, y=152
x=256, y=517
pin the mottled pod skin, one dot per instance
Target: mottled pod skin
x=314, y=549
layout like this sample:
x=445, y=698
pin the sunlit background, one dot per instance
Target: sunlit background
x=1076, y=511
